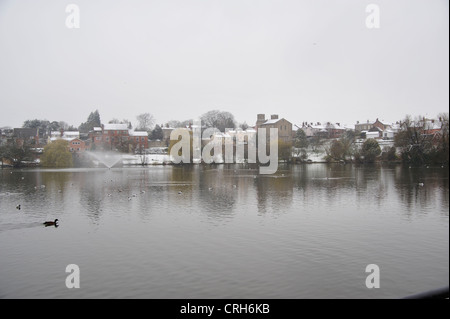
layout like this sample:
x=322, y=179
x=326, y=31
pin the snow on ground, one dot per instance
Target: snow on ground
x=317, y=157
x=149, y=159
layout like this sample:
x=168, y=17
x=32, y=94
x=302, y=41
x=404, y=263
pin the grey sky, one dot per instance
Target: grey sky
x=305, y=60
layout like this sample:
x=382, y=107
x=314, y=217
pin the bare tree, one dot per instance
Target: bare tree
x=178, y=124
x=414, y=143
x=244, y=126
x=63, y=125
x=444, y=137
x=145, y=122
x=218, y=119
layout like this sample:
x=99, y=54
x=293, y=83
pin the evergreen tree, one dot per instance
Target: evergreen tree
x=93, y=120
x=157, y=133
x=370, y=150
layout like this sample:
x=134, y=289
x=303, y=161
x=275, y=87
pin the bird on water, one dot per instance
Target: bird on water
x=53, y=223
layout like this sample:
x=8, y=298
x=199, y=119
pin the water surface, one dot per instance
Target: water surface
x=224, y=232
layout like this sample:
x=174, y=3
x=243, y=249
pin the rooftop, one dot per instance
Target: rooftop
x=271, y=121
x=140, y=133
x=115, y=127
x=72, y=133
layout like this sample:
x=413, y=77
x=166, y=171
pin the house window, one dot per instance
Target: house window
x=142, y=139
x=107, y=139
x=78, y=149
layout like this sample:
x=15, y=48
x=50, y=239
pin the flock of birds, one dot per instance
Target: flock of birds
x=19, y=206
x=46, y=223
x=55, y=222
x=143, y=192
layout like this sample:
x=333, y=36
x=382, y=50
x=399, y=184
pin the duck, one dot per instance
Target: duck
x=421, y=184
x=18, y=207
x=180, y=192
x=53, y=223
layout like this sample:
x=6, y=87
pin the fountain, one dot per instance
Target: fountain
x=109, y=159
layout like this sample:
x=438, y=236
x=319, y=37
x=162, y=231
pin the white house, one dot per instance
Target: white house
x=388, y=134
x=374, y=135
x=63, y=135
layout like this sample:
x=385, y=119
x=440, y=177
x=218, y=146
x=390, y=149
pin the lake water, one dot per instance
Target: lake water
x=224, y=232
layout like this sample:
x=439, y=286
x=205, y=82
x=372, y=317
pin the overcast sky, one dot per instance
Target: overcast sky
x=306, y=60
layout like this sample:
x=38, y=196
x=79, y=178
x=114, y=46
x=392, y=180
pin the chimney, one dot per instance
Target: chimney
x=260, y=119
x=274, y=117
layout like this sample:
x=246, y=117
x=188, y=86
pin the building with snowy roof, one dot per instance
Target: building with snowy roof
x=284, y=126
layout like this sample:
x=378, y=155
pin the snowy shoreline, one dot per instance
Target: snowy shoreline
x=164, y=159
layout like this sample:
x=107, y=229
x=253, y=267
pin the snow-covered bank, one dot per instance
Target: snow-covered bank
x=148, y=159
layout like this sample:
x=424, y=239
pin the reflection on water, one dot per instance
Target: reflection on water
x=223, y=231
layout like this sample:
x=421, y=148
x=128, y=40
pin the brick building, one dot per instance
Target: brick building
x=284, y=126
x=77, y=145
x=118, y=137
